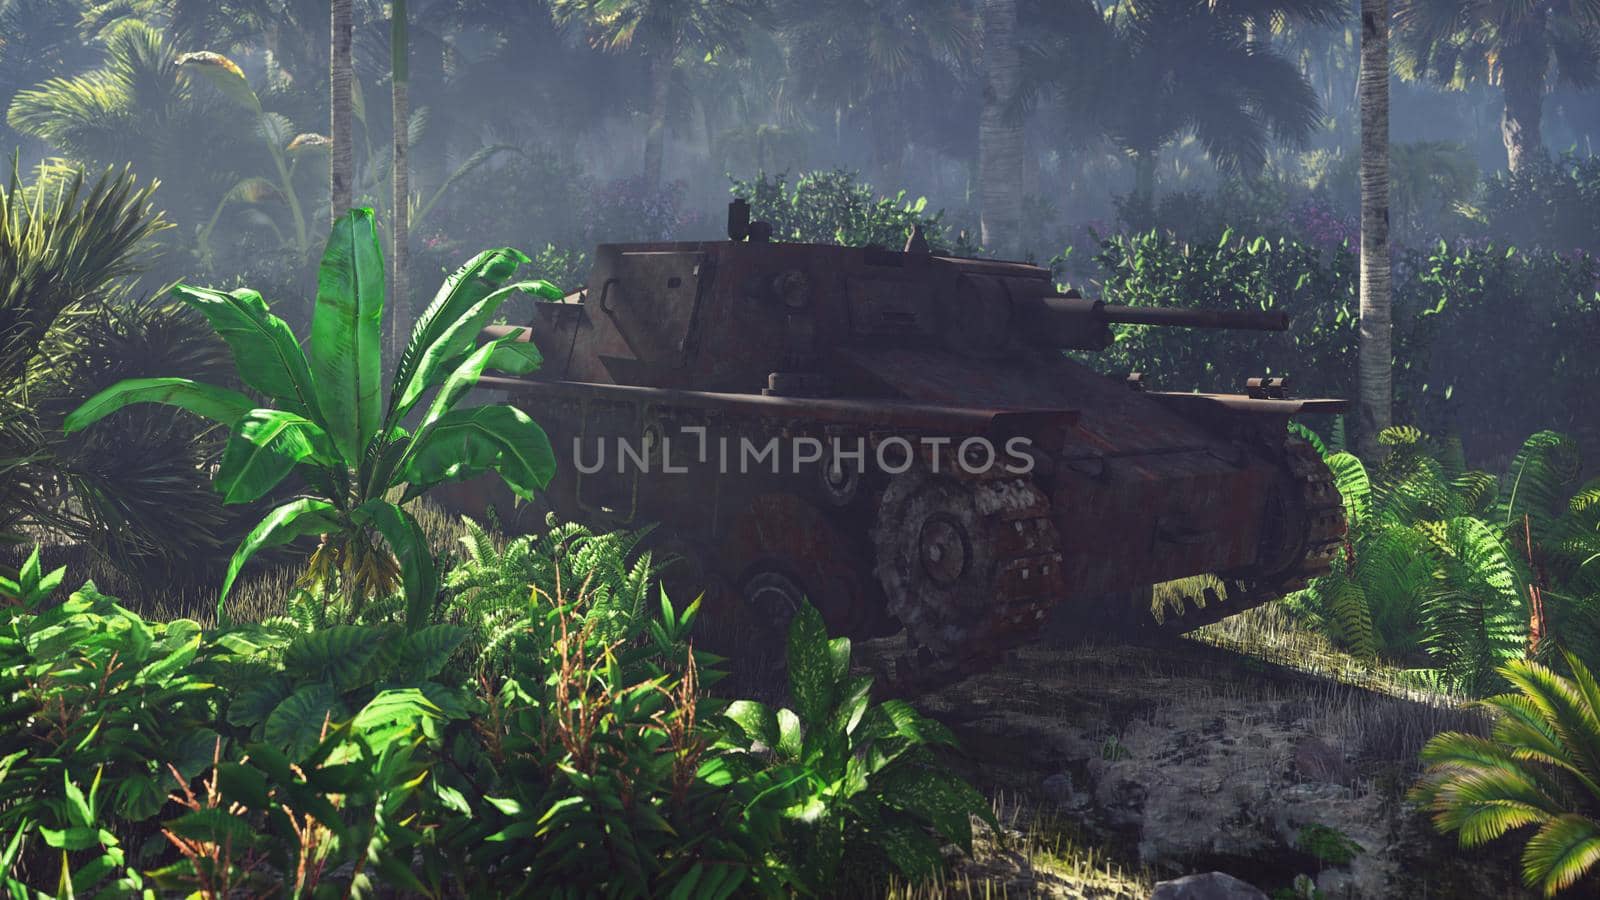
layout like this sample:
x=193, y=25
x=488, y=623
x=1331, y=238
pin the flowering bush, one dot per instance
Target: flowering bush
x=1319, y=223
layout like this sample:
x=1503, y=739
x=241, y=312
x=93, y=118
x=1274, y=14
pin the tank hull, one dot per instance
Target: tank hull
x=880, y=434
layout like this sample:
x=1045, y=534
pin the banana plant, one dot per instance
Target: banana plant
x=330, y=423
x=277, y=135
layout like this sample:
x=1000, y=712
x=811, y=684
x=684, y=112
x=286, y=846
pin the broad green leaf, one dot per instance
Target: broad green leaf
x=462, y=291
x=265, y=352
x=469, y=442
x=811, y=666
x=428, y=650
x=225, y=74
x=756, y=721
x=215, y=825
x=790, y=737
x=207, y=401
x=516, y=358
x=335, y=655
x=264, y=448
x=457, y=340
x=410, y=546
x=944, y=800
x=280, y=526
x=297, y=724
x=395, y=713
x=455, y=387
x=910, y=850
x=346, y=331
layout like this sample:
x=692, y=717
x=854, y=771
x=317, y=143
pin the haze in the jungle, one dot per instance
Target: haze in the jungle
x=300, y=594
x=563, y=122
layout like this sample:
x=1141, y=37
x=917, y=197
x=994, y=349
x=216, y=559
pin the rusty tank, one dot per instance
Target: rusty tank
x=900, y=438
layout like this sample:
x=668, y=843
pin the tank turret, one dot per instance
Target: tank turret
x=899, y=437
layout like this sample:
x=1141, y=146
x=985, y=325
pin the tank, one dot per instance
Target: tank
x=900, y=438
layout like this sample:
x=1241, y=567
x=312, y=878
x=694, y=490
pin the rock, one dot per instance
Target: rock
x=1314, y=760
x=1057, y=788
x=1210, y=886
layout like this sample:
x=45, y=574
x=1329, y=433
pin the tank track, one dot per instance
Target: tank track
x=1013, y=549
x=1322, y=508
x=949, y=637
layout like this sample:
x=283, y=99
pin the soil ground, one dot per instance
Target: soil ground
x=1245, y=749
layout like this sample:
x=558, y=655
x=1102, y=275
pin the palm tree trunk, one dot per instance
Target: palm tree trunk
x=341, y=160
x=400, y=216
x=1375, y=358
x=1144, y=178
x=1000, y=147
x=655, y=139
x=1522, y=81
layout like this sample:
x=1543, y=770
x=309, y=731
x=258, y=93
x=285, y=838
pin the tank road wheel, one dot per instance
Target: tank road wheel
x=1302, y=534
x=969, y=568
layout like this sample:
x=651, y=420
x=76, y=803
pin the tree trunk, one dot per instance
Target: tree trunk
x=1375, y=358
x=1000, y=146
x=1144, y=179
x=400, y=216
x=655, y=139
x=1522, y=66
x=341, y=154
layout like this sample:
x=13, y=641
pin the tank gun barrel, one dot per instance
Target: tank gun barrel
x=1237, y=320
x=1078, y=323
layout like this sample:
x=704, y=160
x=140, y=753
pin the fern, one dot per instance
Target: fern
x=1350, y=477
x=1310, y=437
x=1439, y=561
x=1539, y=481
x=499, y=591
x=1475, y=618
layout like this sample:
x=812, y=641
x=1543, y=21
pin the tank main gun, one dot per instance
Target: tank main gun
x=1072, y=322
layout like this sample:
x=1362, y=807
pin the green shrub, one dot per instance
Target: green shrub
x=1539, y=767
x=837, y=208
x=1549, y=203
x=864, y=789
x=1491, y=343
x=1317, y=289
x=296, y=758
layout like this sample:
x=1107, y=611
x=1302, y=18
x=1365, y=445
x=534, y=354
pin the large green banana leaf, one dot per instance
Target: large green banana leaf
x=442, y=337
x=346, y=330
x=468, y=442
x=208, y=401
x=294, y=519
x=264, y=448
x=265, y=351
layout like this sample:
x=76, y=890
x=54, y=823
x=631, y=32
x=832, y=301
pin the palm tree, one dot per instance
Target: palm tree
x=1155, y=71
x=876, y=60
x=1540, y=766
x=138, y=107
x=1000, y=145
x=1375, y=367
x=400, y=324
x=1509, y=43
x=662, y=30
x=341, y=165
